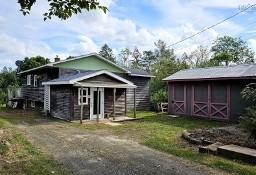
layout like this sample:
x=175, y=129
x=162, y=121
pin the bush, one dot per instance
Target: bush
x=248, y=121
x=158, y=97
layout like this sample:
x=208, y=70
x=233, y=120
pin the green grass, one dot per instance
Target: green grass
x=23, y=157
x=164, y=133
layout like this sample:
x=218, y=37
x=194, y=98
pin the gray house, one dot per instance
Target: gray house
x=88, y=82
x=212, y=93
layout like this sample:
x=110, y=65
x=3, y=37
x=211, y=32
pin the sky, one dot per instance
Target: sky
x=127, y=24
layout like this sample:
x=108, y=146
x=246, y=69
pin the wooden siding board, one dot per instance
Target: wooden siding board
x=142, y=92
x=61, y=102
x=120, y=102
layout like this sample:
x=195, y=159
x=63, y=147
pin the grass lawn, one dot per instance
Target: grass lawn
x=18, y=155
x=154, y=130
x=164, y=133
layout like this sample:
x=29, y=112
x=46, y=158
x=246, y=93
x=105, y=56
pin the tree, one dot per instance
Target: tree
x=107, y=53
x=148, y=59
x=235, y=47
x=63, y=9
x=8, y=79
x=125, y=53
x=70, y=57
x=29, y=63
x=136, y=62
x=162, y=50
x=199, y=58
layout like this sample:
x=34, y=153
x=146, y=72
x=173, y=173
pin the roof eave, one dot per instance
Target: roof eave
x=36, y=68
x=139, y=75
x=211, y=79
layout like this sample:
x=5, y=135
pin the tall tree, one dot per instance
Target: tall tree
x=235, y=47
x=136, y=62
x=62, y=9
x=162, y=50
x=148, y=59
x=199, y=58
x=29, y=63
x=107, y=53
x=125, y=54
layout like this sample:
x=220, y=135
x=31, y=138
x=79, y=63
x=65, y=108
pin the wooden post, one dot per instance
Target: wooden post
x=81, y=103
x=98, y=104
x=125, y=102
x=114, y=104
x=134, y=115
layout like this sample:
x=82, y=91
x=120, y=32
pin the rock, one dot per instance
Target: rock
x=1, y=132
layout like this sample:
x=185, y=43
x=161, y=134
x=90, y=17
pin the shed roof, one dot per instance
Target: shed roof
x=219, y=72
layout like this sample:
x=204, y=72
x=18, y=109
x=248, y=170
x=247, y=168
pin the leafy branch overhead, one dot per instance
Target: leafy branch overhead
x=63, y=9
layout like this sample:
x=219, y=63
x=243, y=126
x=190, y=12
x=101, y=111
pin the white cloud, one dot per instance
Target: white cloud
x=85, y=46
x=252, y=44
x=87, y=32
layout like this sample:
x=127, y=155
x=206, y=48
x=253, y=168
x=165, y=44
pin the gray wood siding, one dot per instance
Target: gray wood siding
x=30, y=92
x=36, y=94
x=142, y=92
x=119, y=102
x=61, y=102
x=77, y=108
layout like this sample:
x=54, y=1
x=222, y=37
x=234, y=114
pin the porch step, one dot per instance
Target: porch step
x=247, y=155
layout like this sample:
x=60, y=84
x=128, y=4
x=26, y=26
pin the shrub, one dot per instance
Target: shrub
x=248, y=121
x=158, y=97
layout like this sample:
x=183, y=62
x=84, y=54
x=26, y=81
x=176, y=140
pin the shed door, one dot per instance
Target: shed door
x=178, y=99
x=219, y=107
x=211, y=100
x=200, y=100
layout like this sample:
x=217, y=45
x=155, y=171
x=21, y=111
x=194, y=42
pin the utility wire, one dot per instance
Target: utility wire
x=213, y=25
x=248, y=24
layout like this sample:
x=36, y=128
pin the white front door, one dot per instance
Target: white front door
x=94, y=101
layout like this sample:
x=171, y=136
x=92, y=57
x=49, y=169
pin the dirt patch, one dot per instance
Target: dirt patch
x=20, y=112
x=226, y=135
x=100, y=152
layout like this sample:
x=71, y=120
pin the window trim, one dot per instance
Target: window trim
x=35, y=81
x=84, y=95
x=28, y=79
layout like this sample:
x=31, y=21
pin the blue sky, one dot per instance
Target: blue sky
x=127, y=24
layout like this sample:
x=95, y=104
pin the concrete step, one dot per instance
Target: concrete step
x=247, y=155
x=210, y=149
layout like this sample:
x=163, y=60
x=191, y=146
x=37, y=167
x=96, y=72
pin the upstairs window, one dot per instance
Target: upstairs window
x=83, y=96
x=35, y=80
x=28, y=79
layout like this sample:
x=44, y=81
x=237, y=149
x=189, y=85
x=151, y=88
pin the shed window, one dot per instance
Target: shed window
x=85, y=96
x=28, y=79
x=35, y=80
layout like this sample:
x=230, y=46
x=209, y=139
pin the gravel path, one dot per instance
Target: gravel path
x=99, y=152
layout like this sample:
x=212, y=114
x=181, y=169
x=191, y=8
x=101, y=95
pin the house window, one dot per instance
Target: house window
x=35, y=80
x=85, y=96
x=28, y=79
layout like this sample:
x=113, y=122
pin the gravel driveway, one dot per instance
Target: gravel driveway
x=99, y=152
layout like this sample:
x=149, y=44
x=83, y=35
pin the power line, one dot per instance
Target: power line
x=212, y=25
x=177, y=49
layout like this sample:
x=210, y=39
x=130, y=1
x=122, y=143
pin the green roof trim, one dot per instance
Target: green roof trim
x=92, y=62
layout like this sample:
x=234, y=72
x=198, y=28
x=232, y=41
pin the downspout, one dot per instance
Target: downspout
x=81, y=103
